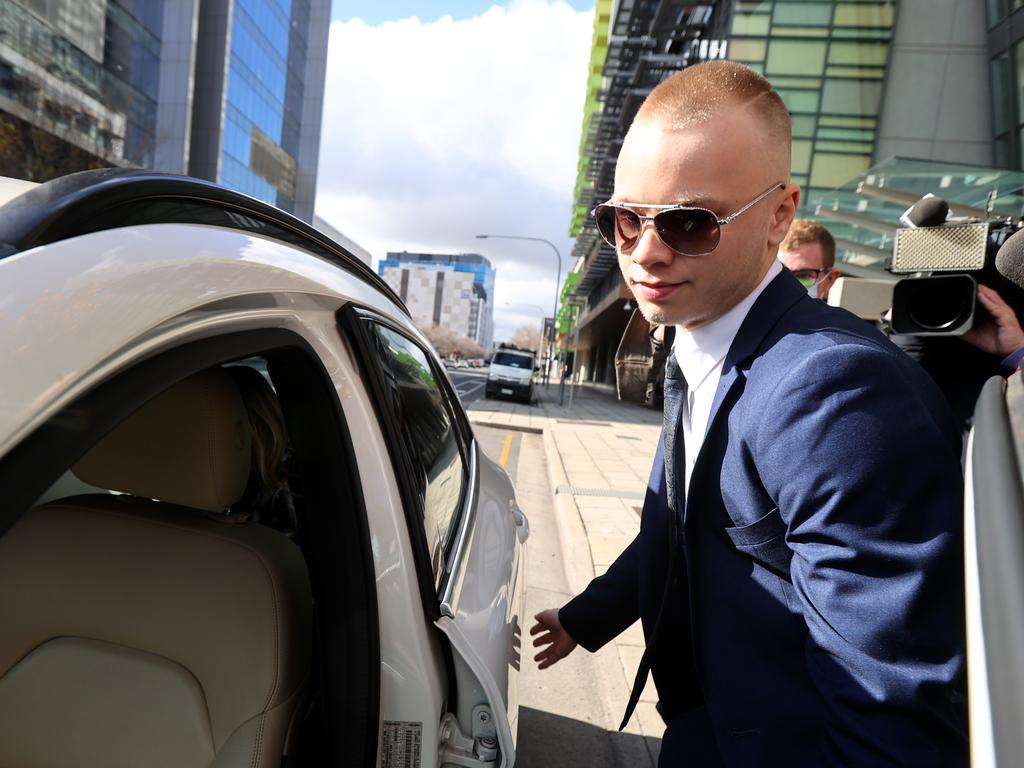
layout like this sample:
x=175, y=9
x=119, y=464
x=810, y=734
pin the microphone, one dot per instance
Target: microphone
x=1010, y=259
x=929, y=211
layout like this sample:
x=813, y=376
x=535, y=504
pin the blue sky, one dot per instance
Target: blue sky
x=375, y=12
x=440, y=127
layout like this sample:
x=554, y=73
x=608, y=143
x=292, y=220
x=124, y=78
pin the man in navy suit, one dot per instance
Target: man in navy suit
x=798, y=567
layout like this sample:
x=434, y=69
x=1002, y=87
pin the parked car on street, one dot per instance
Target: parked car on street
x=511, y=374
x=245, y=517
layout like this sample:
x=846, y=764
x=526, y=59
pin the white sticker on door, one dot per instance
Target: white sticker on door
x=401, y=745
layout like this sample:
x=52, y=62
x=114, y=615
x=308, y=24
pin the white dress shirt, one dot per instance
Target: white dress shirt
x=700, y=354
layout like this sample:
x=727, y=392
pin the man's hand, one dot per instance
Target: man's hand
x=558, y=642
x=1001, y=333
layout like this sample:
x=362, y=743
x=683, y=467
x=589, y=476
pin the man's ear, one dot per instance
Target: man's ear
x=783, y=215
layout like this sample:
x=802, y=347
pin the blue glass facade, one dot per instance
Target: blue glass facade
x=131, y=53
x=112, y=57
x=481, y=269
x=263, y=41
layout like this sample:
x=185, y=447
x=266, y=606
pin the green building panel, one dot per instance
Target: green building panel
x=828, y=62
x=591, y=107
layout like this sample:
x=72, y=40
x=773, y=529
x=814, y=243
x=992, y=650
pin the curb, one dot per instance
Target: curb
x=578, y=563
x=511, y=427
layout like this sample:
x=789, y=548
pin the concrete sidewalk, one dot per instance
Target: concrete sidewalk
x=599, y=455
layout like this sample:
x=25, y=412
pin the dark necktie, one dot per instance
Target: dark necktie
x=672, y=432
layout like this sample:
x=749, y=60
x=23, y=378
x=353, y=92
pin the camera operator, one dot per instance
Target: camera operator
x=809, y=252
x=961, y=365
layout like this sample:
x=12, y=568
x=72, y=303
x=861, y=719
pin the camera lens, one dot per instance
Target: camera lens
x=940, y=306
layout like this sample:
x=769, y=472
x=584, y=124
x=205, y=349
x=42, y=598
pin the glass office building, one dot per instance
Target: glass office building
x=1006, y=38
x=828, y=62
x=480, y=298
x=84, y=75
x=928, y=94
x=227, y=91
x=265, y=62
x=253, y=159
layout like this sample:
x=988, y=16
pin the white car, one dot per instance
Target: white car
x=511, y=374
x=245, y=517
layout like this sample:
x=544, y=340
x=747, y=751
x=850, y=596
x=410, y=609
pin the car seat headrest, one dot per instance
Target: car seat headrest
x=189, y=445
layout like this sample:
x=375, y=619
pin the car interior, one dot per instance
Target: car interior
x=158, y=598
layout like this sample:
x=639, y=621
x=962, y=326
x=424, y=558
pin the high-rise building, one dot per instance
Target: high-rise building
x=227, y=90
x=453, y=291
x=259, y=85
x=866, y=81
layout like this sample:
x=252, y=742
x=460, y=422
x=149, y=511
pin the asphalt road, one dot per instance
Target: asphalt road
x=567, y=714
x=469, y=382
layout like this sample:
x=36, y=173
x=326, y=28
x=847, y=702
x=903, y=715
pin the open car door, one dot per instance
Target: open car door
x=483, y=600
x=994, y=563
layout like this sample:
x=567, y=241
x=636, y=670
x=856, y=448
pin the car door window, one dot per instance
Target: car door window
x=429, y=432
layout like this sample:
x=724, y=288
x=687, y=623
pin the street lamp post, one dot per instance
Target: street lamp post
x=558, y=281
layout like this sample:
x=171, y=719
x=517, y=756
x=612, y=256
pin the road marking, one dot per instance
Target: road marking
x=505, y=450
x=471, y=390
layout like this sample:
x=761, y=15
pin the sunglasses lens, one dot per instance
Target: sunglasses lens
x=690, y=231
x=618, y=226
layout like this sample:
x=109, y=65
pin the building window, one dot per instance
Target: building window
x=795, y=57
x=851, y=97
x=803, y=14
x=832, y=170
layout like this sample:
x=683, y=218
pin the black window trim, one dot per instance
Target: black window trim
x=36, y=462
x=435, y=591
x=92, y=201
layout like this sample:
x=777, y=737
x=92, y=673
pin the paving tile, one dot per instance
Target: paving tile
x=630, y=656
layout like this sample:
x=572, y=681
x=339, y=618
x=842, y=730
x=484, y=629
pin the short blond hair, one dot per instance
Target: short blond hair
x=697, y=94
x=805, y=232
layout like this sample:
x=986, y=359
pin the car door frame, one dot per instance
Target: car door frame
x=41, y=457
x=994, y=564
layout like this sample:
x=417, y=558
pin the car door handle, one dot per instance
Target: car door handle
x=522, y=524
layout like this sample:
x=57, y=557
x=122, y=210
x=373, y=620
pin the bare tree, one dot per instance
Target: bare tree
x=526, y=337
x=447, y=342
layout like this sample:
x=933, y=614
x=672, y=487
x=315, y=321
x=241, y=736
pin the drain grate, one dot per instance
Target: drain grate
x=627, y=437
x=584, y=423
x=610, y=492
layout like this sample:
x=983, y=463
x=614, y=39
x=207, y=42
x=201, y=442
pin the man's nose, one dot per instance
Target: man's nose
x=650, y=249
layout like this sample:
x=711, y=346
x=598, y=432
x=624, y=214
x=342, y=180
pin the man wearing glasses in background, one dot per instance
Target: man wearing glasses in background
x=809, y=252
x=798, y=567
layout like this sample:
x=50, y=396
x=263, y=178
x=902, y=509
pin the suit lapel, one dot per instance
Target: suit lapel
x=775, y=300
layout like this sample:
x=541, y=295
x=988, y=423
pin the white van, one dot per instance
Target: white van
x=511, y=374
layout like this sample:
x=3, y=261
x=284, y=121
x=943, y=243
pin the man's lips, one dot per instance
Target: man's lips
x=654, y=291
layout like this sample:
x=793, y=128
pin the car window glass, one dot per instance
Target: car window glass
x=512, y=361
x=429, y=433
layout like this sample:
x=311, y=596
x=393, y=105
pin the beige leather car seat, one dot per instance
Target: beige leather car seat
x=143, y=633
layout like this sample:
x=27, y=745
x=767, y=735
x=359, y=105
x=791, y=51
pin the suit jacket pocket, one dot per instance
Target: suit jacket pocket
x=764, y=541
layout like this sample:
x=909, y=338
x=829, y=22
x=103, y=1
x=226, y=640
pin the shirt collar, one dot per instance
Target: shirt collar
x=701, y=350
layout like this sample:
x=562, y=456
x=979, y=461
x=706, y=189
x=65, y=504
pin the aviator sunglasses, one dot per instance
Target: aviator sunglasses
x=686, y=230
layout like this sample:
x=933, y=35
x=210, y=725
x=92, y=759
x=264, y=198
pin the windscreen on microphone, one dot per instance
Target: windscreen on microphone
x=1010, y=259
x=929, y=211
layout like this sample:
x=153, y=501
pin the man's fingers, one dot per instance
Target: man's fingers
x=544, y=640
x=538, y=627
x=546, y=658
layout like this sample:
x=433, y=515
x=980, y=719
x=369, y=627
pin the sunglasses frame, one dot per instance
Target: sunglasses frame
x=664, y=208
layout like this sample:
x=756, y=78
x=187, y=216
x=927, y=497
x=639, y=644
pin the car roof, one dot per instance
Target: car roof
x=90, y=201
x=11, y=188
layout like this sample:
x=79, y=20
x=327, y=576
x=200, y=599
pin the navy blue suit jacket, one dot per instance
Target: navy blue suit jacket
x=816, y=617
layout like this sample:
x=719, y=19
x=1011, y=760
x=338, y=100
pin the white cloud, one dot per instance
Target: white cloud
x=433, y=132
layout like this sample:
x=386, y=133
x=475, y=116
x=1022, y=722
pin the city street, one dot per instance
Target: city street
x=578, y=473
x=469, y=383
